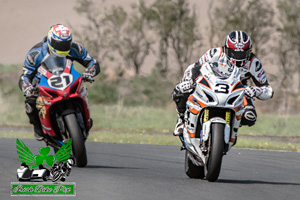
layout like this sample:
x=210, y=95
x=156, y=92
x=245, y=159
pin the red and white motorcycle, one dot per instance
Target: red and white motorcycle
x=63, y=106
x=212, y=118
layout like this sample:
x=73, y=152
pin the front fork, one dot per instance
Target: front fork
x=231, y=129
x=191, y=122
x=206, y=129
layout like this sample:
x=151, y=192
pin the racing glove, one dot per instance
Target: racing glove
x=252, y=91
x=88, y=74
x=185, y=86
x=28, y=89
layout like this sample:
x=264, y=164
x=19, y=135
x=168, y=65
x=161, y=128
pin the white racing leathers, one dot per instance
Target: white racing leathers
x=216, y=109
x=252, y=69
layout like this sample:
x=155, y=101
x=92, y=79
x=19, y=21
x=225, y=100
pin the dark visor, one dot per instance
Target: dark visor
x=238, y=55
x=61, y=45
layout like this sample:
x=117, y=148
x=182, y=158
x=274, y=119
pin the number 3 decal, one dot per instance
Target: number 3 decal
x=61, y=81
x=222, y=88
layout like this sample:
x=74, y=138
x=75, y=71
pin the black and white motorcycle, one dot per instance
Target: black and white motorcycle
x=212, y=118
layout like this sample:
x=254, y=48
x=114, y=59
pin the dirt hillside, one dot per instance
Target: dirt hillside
x=25, y=22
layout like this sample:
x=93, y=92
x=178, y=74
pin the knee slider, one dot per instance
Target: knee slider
x=31, y=111
x=28, y=108
x=181, y=103
x=30, y=105
x=249, y=116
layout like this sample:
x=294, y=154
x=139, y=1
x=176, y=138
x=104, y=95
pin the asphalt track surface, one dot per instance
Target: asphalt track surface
x=142, y=172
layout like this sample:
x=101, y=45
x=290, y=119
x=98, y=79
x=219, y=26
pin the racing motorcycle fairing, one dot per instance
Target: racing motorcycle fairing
x=217, y=98
x=60, y=92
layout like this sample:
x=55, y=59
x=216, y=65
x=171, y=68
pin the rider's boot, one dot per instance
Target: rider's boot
x=38, y=132
x=33, y=115
x=178, y=131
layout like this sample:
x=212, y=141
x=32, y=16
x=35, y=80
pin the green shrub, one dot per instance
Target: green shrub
x=102, y=92
x=9, y=81
x=151, y=90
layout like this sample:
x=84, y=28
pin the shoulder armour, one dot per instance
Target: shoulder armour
x=38, y=45
x=78, y=48
x=212, y=52
x=32, y=57
x=258, y=65
x=258, y=73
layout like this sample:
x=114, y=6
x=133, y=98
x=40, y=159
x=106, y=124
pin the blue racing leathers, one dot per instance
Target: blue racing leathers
x=37, y=54
x=34, y=59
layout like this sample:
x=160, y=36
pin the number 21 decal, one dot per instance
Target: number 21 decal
x=61, y=81
x=222, y=88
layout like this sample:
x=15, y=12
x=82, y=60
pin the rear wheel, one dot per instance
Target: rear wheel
x=78, y=145
x=216, y=152
x=192, y=170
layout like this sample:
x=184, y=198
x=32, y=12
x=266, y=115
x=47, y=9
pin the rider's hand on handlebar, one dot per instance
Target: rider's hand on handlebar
x=252, y=91
x=185, y=86
x=86, y=78
x=29, y=90
x=88, y=74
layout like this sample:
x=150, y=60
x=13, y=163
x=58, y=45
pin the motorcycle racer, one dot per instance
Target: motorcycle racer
x=58, y=42
x=238, y=50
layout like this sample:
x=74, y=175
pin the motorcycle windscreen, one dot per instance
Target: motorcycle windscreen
x=222, y=69
x=54, y=64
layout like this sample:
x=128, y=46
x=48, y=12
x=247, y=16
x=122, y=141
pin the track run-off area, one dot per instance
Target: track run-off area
x=142, y=172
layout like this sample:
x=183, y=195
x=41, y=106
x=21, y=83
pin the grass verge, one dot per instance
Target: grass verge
x=137, y=119
x=136, y=124
x=161, y=139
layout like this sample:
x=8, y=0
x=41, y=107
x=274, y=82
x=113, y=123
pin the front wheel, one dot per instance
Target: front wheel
x=216, y=152
x=78, y=145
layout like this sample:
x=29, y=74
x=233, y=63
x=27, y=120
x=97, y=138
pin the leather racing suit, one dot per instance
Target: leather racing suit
x=33, y=60
x=251, y=69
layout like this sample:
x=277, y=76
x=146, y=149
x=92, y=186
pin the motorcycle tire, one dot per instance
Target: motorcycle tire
x=216, y=152
x=78, y=144
x=192, y=170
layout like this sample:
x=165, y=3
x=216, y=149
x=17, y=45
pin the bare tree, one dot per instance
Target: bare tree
x=253, y=16
x=212, y=23
x=285, y=78
x=185, y=37
x=128, y=37
x=288, y=52
x=136, y=44
x=158, y=15
x=92, y=34
x=113, y=34
x=289, y=29
x=176, y=26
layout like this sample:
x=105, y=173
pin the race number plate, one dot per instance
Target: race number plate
x=60, y=82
